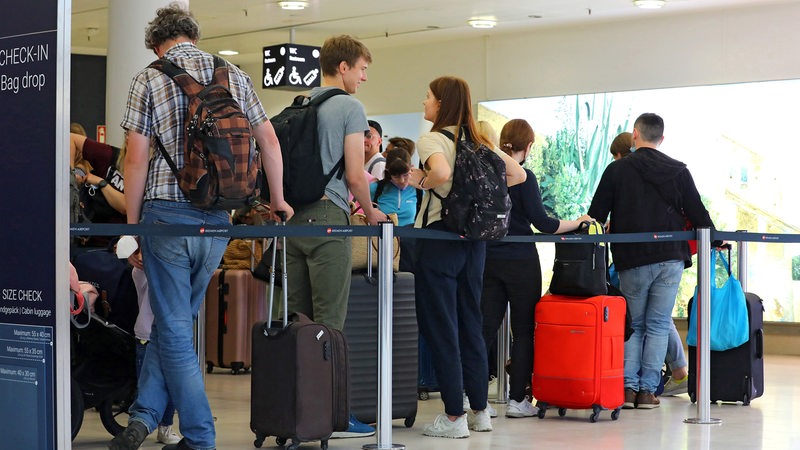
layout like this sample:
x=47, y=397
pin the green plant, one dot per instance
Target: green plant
x=572, y=161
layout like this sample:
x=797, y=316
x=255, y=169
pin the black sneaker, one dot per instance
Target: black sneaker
x=630, y=399
x=130, y=438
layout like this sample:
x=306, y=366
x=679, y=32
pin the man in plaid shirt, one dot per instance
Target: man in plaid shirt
x=178, y=268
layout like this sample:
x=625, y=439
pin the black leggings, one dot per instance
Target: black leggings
x=518, y=282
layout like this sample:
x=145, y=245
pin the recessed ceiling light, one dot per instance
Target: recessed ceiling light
x=482, y=23
x=293, y=5
x=228, y=52
x=649, y=4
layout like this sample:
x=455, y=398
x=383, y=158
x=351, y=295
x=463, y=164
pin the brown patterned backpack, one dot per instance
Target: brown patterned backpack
x=220, y=160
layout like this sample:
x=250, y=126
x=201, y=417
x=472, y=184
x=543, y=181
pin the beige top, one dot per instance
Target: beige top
x=428, y=144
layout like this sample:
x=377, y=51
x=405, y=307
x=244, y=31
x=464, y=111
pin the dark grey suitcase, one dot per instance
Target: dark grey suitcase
x=361, y=331
x=300, y=383
x=736, y=375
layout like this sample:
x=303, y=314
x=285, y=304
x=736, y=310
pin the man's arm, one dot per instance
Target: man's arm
x=603, y=198
x=272, y=163
x=137, y=158
x=136, y=164
x=356, y=179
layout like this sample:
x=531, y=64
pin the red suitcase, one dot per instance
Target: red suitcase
x=578, y=354
x=229, y=300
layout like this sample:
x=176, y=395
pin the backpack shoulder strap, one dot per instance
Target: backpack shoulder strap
x=450, y=135
x=376, y=161
x=221, y=72
x=187, y=83
x=379, y=189
x=319, y=99
x=170, y=162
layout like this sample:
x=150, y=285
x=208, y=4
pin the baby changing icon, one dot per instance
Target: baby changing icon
x=310, y=77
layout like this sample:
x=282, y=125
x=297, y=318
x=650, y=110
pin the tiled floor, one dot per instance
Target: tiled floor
x=770, y=422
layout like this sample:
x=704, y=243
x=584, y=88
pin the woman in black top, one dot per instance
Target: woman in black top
x=512, y=273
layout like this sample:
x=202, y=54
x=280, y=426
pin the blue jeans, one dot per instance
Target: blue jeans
x=169, y=411
x=178, y=269
x=676, y=357
x=448, y=283
x=651, y=292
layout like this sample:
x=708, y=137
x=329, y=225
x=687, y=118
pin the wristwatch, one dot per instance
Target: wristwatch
x=102, y=184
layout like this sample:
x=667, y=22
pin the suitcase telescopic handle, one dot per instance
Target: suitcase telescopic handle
x=284, y=286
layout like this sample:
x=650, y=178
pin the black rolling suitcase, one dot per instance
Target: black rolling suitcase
x=736, y=375
x=427, y=381
x=300, y=384
x=361, y=331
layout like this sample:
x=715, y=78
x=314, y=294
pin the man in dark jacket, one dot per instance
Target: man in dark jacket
x=648, y=191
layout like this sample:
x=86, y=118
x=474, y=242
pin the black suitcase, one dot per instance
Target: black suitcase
x=361, y=331
x=299, y=384
x=427, y=381
x=736, y=375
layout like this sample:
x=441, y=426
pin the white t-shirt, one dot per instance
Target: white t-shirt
x=376, y=166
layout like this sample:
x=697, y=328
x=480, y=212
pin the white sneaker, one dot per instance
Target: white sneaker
x=479, y=421
x=166, y=435
x=492, y=386
x=492, y=412
x=675, y=387
x=443, y=427
x=520, y=409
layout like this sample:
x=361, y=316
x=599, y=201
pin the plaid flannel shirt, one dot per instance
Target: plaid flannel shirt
x=157, y=107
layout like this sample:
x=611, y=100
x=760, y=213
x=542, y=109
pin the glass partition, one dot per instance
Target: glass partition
x=736, y=140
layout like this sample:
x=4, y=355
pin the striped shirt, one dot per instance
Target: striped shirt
x=157, y=107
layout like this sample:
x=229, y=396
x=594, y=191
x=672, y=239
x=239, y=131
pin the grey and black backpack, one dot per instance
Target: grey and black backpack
x=478, y=205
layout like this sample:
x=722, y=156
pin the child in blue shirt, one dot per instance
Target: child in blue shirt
x=394, y=194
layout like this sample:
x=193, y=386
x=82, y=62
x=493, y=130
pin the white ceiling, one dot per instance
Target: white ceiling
x=249, y=25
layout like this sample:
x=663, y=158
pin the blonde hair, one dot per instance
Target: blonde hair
x=486, y=129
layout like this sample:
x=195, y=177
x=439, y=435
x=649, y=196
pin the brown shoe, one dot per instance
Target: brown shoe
x=630, y=399
x=646, y=400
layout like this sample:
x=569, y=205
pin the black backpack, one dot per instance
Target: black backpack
x=304, y=178
x=220, y=160
x=478, y=205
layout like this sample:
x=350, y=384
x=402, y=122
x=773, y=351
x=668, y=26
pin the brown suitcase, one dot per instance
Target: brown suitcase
x=300, y=380
x=228, y=308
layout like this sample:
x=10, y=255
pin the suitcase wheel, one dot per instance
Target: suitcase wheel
x=237, y=367
x=423, y=395
x=259, y=440
x=693, y=397
x=745, y=400
x=615, y=414
x=209, y=367
x=324, y=445
x=562, y=412
x=409, y=422
x=281, y=441
x=542, y=409
x=595, y=413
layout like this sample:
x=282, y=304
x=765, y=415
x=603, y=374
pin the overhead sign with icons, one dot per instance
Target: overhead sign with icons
x=291, y=67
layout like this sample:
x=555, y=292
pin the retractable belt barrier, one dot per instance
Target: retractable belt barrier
x=386, y=233
x=258, y=231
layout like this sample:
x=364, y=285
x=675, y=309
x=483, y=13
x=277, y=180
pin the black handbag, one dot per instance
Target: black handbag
x=580, y=269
